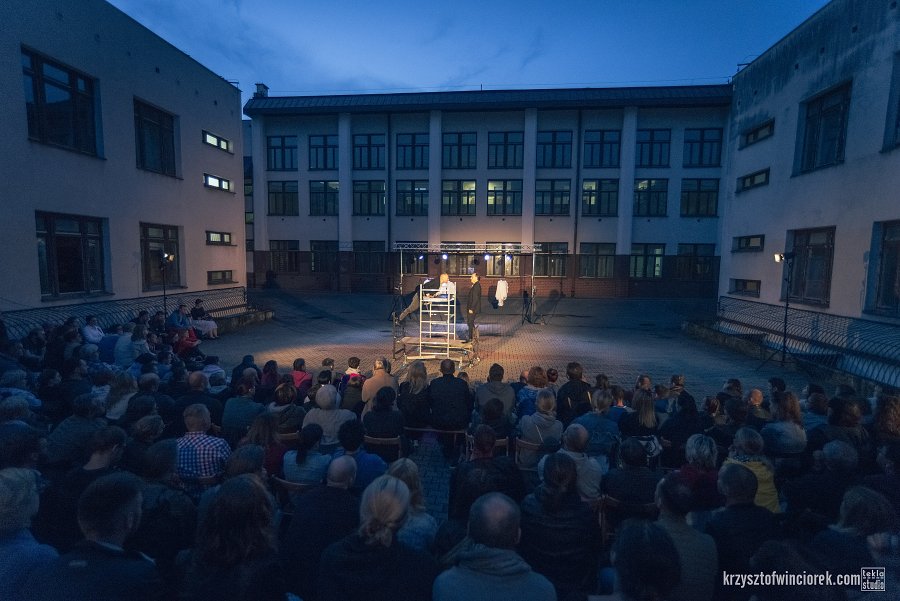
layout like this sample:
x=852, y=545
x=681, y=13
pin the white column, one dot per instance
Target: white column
x=529, y=159
x=626, y=180
x=435, y=146
x=345, y=182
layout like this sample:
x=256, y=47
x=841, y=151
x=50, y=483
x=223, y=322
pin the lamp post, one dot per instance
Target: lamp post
x=788, y=260
x=164, y=260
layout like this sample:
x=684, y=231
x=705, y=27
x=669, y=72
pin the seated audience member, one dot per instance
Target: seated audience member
x=385, y=421
x=91, y=331
x=323, y=378
x=99, y=567
x=75, y=382
x=21, y=554
x=352, y=395
x=758, y=414
x=539, y=428
x=526, y=397
x=451, y=402
x=420, y=527
x=785, y=435
x=15, y=383
x=645, y=561
x=886, y=420
x=736, y=411
x=413, y=400
x=491, y=414
x=642, y=421
x=186, y=345
x=368, y=466
x=235, y=556
x=220, y=389
x=821, y=492
x=307, y=465
x=203, y=322
x=239, y=413
x=179, y=319
x=489, y=567
x=248, y=459
x=602, y=431
x=496, y=388
x=327, y=415
x=789, y=557
x=816, y=413
x=888, y=482
x=381, y=377
x=122, y=351
x=482, y=474
x=199, y=394
x=264, y=432
x=157, y=323
x=322, y=516
x=352, y=370
x=701, y=475
x=747, y=450
x=741, y=526
x=211, y=366
x=288, y=413
x=68, y=443
x=372, y=563
x=143, y=434
x=634, y=483
x=681, y=425
x=148, y=386
x=201, y=457
x=123, y=387
x=553, y=380
x=574, y=397
x=560, y=533
x=696, y=551
x=574, y=444
x=269, y=379
x=844, y=424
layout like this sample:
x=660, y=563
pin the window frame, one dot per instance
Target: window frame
x=509, y=196
x=653, y=152
x=93, y=277
x=281, y=153
x=368, y=152
x=805, y=255
x=647, y=201
x=225, y=238
x=323, y=256
x=169, y=242
x=559, y=194
x=416, y=153
x=219, y=277
x=695, y=261
x=744, y=287
x=498, y=254
x=744, y=244
x=289, y=201
x=547, y=261
x=702, y=148
x=324, y=202
x=216, y=141
x=324, y=154
x=505, y=153
x=606, y=201
x=368, y=199
x=412, y=202
x=888, y=251
x=640, y=263
x=607, y=158
x=816, y=112
x=554, y=152
x=455, y=196
x=413, y=263
x=594, y=264
x=284, y=256
x=369, y=257
x=708, y=199
x=757, y=133
x=147, y=119
x=749, y=181
x=215, y=182
x=458, y=152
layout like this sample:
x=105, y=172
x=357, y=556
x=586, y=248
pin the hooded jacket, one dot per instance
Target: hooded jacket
x=490, y=573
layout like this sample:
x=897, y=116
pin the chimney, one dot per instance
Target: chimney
x=262, y=91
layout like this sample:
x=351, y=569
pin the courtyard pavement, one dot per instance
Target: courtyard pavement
x=621, y=338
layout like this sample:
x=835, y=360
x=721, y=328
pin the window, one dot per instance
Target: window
x=551, y=196
x=600, y=197
x=368, y=197
x=825, y=129
x=596, y=260
x=221, y=276
x=757, y=134
x=60, y=104
x=695, y=262
x=651, y=197
x=753, y=180
x=554, y=149
x=504, y=197
x=505, y=149
x=70, y=254
x=368, y=256
x=653, y=147
x=281, y=153
x=217, y=141
x=550, y=260
x=459, y=150
x=412, y=197
x=744, y=287
x=323, y=198
x=458, y=197
x=646, y=260
x=748, y=243
x=887, y=287
x=459, y=263
x=155, y=139
x=699, y=197
x=248, y=204
x=156, y=240
x=601, y=148
x=323, y=152
x=219, y=183
x=323, y=256
x=811, y=277
x=368, y=151
x=413, y=262
x=283, y=199
x=218, y=238
x=703, y=147
x=283, y=255
x=412, y=151
x=500, y=261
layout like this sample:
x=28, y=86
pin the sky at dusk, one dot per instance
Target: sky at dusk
x=303, y=47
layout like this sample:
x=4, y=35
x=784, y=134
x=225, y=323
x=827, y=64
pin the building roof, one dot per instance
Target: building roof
x=495, y=100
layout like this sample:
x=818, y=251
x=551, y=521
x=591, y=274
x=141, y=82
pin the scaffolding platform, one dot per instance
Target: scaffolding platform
x=437, y=338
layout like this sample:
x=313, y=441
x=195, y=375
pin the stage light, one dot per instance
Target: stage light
x=444, y=256
x=487, y=257
x=421, y=257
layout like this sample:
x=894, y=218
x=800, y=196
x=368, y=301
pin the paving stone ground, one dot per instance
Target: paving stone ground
x=621, y=338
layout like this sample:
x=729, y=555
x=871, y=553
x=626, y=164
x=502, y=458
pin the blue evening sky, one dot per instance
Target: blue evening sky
x=300, y=47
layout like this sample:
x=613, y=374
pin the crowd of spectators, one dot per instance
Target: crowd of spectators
x=131, y=470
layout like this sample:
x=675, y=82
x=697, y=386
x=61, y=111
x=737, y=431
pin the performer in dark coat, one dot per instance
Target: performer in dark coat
x=473, y=307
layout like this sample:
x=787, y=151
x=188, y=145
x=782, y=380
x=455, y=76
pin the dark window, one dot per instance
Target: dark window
x=323, y=256
x=695, y=262
x=596, y=260
x=323, y=152
x=811, y=279
x=60, y=104
x=744, y=287
x=283, y=255
x=70, y=254
x=887, y=293
x=554, y=149
x=459, y=150
x=551, y=196
x=368, y=197
x=248, y=203
x=653, y=147
x=460, y=264
x=155, y=139
x=758, y=133
x=368, y=256
x=500, y=260
x=323, y=198
x=217, y=141
x=413, y=262
x=550, y=260
x=458, y=197
x=283, y=199
x=825, y=129
x=219, y=183
x=699, y=197
x=651, y=197
x=412, y=151
x=504, y=197
x=412, y=197
x=753, y=180
x=220, y=276
x=505, y=149
x=703, y=147
x=368, y=151
x=157, y=240
x=646, y=260
x=601, y=148
x=600, y=197
x=748, y=243
x=218, y=238
x=281, y=153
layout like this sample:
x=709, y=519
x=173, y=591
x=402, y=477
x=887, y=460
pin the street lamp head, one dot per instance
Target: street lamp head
x=780, y=257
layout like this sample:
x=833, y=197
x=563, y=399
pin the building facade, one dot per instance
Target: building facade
x=122, y=161
x=617, y=190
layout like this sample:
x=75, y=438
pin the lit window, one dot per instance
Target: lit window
x=217, y=141
x=758, y=133
x=222, y=238
x=647, y=260
x=753, y=180
x=219, y=183
x=651, y=197
x=600, y=197
x=221, y=276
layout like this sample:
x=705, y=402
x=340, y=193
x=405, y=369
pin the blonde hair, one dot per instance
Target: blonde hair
x=545, y=402
x=642, y=402
x=417, y=376
x=18, y=498
x=382, y=510
x=407, y=471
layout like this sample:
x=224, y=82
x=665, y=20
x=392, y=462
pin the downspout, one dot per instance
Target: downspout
x=577, y=191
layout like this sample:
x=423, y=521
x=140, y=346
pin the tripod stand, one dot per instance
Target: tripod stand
x=788, y=259
x=397, y=305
